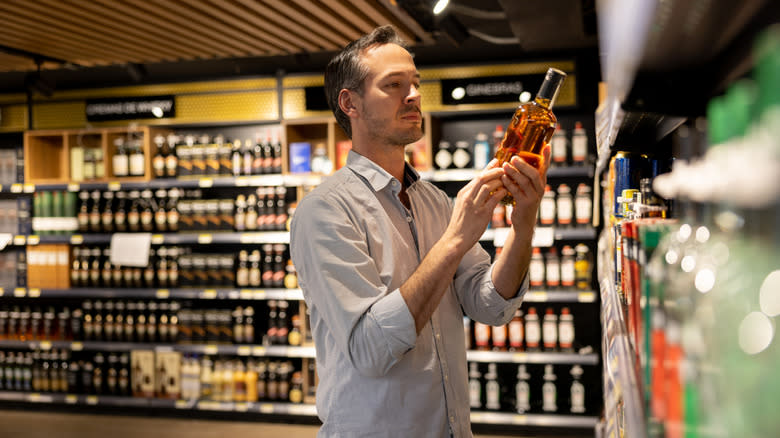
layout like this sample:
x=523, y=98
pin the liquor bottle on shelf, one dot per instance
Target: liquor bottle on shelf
x=499, y=337
x=461, y=157
x=532, y=125
x=236, y=158
x=549, y=391
x=568, y=271
x=536, y=269
x=481, y=335
x=552, y=265
x=550, y=330
x=120, y=161
x=276, y=147
x=577, y=391
x=566, y=330
x=579, y=145
x=583, y=267
x=158, y=162
x=547, y=207
x=564, y=206
x=482, y=151
x=443, y=157
x=516, y=331
x=171, y=159
x=475, y=386
x=583, y=205
x=533, y=330
x=136, y=159
x=492, y=388
x=522, y=391
x=559, y=146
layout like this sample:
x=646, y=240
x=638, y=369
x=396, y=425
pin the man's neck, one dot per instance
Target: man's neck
x=389, y=158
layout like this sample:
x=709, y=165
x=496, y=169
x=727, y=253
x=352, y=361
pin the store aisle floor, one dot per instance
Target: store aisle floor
x=42, y=424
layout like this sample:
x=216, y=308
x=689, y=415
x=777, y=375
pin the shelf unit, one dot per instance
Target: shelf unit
x=533, y=357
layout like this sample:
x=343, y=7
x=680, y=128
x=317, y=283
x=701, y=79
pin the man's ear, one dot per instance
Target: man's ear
x=346, y=102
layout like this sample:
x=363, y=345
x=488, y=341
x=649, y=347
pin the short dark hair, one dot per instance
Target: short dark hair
x=345, y=70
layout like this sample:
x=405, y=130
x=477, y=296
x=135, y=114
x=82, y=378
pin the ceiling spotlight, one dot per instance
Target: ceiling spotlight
x=439, y=7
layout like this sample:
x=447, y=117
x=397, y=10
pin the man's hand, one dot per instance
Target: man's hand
x=474, y=207
x=526, y=184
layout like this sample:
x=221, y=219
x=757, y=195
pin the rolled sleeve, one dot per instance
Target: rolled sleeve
x=497, y=304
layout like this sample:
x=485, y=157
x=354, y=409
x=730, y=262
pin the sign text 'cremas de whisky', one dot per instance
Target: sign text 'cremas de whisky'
x=488, y=89
x=130, y=108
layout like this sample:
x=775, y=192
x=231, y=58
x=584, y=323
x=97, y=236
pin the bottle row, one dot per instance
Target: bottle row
x=573, y=268
x=171, y=210
x=501, y=387
x=11, y=166
x=167, y=375
x=477, y=152
x=155, y=322
x=558, y=207
x=525, y=332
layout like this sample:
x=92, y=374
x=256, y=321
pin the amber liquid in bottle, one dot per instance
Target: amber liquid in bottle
x=532, y=126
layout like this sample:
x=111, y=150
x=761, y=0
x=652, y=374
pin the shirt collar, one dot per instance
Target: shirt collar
x=377, y=177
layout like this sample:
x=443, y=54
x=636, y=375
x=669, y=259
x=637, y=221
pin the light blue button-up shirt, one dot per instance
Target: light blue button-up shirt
x=354, y=244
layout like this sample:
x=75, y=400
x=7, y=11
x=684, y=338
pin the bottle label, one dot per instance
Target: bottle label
x=516, y=334
x=137, y=163
x=523, y=399
x=481, y=155
x=481, y=334
x=492, y=395
x=582, y=208
x=158, y=163
x=499, y=336
x=532, y=333
x=577, y=398
x=550, y=333
x=553, y=274
x=475, y=394
x=579, y=147
x=536, y=273
x=564, y=210
x=120, y=165
x=558, y=147
x=567, y=273
x=443, y=159
x=461, y=158
x=566, y=333
x=547, y=211
x=548, y=397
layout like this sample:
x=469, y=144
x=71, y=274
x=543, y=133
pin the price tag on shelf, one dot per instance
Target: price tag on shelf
x=519, y=419
x=519, y=357
x=233, y=294
x=92, y=400
x=16, y=188
x=114, y=186
x=20, y=292
x=205, y=182
x=20, y=240
x=543, y=237
x=45, y=345
x=245, y=294
x=210, y=349
x=241, y=181
x=29, y=188
x=181, y=404
x=586, y=297
x=246, y=238
x=266, y=408
x=241, y=407
x=209, y=294
x=71, y=399
x=205, y=239
x=33, y=293
x=258, y=351
x=34, y=398
x=76, y=239
x=76, y=346
x=258, y=294
x=74, y=187
x=536, y=296
x=33, y=239
x=163, y=294
x=244, y=350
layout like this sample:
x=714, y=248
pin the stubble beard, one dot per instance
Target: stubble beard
x=394, y=137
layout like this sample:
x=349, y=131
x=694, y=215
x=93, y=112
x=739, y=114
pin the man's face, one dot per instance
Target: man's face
x=390, y=104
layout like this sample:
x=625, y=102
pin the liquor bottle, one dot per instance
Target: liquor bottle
x=582, y=267
x=158, y=162
x=516, y=331
x=249, y=325
x=296, y=389
x=533, y=330
x=83, y=215
x=160, y=215
x=256, y=276
x=107, y=215
x=291, y=276
x=481, y=336
x=251, y=216
x=567, y=267
x=171, y=159
x=276, y=146
x=559, y=148
x=120, y=215
x=499, y=335
x=247, y=157
x=547, y=207
x=532, y=125
x=282, y=328
x=262, y=376
x=136, y=158
x=475, y=386
x=552, y=269
x=236, y=158
x=549, y=392
x=577, y=397
x=267, y=267
x=294, y=338
x=564, y=206
x=579, y=145
x=120, y=161
x=268, y=152
x=550, y=330
x=225, y=158
x=536, y=269
x=522, y=391
x=238, y=325
x=566, y=330
x=257, y=156
x=280, y=208
x=583, y=205
x=492, y=388
x=481, y=151
x=273, y=322
x=94, y=212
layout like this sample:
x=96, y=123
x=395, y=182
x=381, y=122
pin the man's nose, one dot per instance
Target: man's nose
x=413, y=95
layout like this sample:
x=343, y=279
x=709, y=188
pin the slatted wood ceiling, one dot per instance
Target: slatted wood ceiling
x=114, y=32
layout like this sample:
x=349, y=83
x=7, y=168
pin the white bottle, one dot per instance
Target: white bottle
x=492, y=389
x=475, y=387
x=566, y=330
x=481, y=151
x=206, y=380
x=559, y=146
x=579, y=145
x=552, y=269
x=567, y=267
x=443, y=157
x=577, y=391
x=564, y=205
x=549, y=395
x=196, y=373
x=547, y=207
x=533, y=331
x=536, y=268
x=522, y=391
x=550, y=330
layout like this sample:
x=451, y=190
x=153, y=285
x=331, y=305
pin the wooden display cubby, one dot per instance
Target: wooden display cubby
x=46, y=157
x=316, y=130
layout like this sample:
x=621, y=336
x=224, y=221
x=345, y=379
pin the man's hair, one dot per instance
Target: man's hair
x=345, y=70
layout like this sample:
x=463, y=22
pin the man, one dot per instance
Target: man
x=388, y=265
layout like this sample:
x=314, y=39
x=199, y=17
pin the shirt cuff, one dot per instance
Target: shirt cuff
x=396, y=323
x=494, y=300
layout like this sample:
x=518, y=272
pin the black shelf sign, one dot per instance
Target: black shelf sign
x=489, y=89
x=130, y=108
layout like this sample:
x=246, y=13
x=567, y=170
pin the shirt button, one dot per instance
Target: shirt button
x=446, y=377
x=408, y=218
x=452, y=419
x=438, y=335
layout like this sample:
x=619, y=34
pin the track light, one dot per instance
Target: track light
x=440, y=6
x=137, y=72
